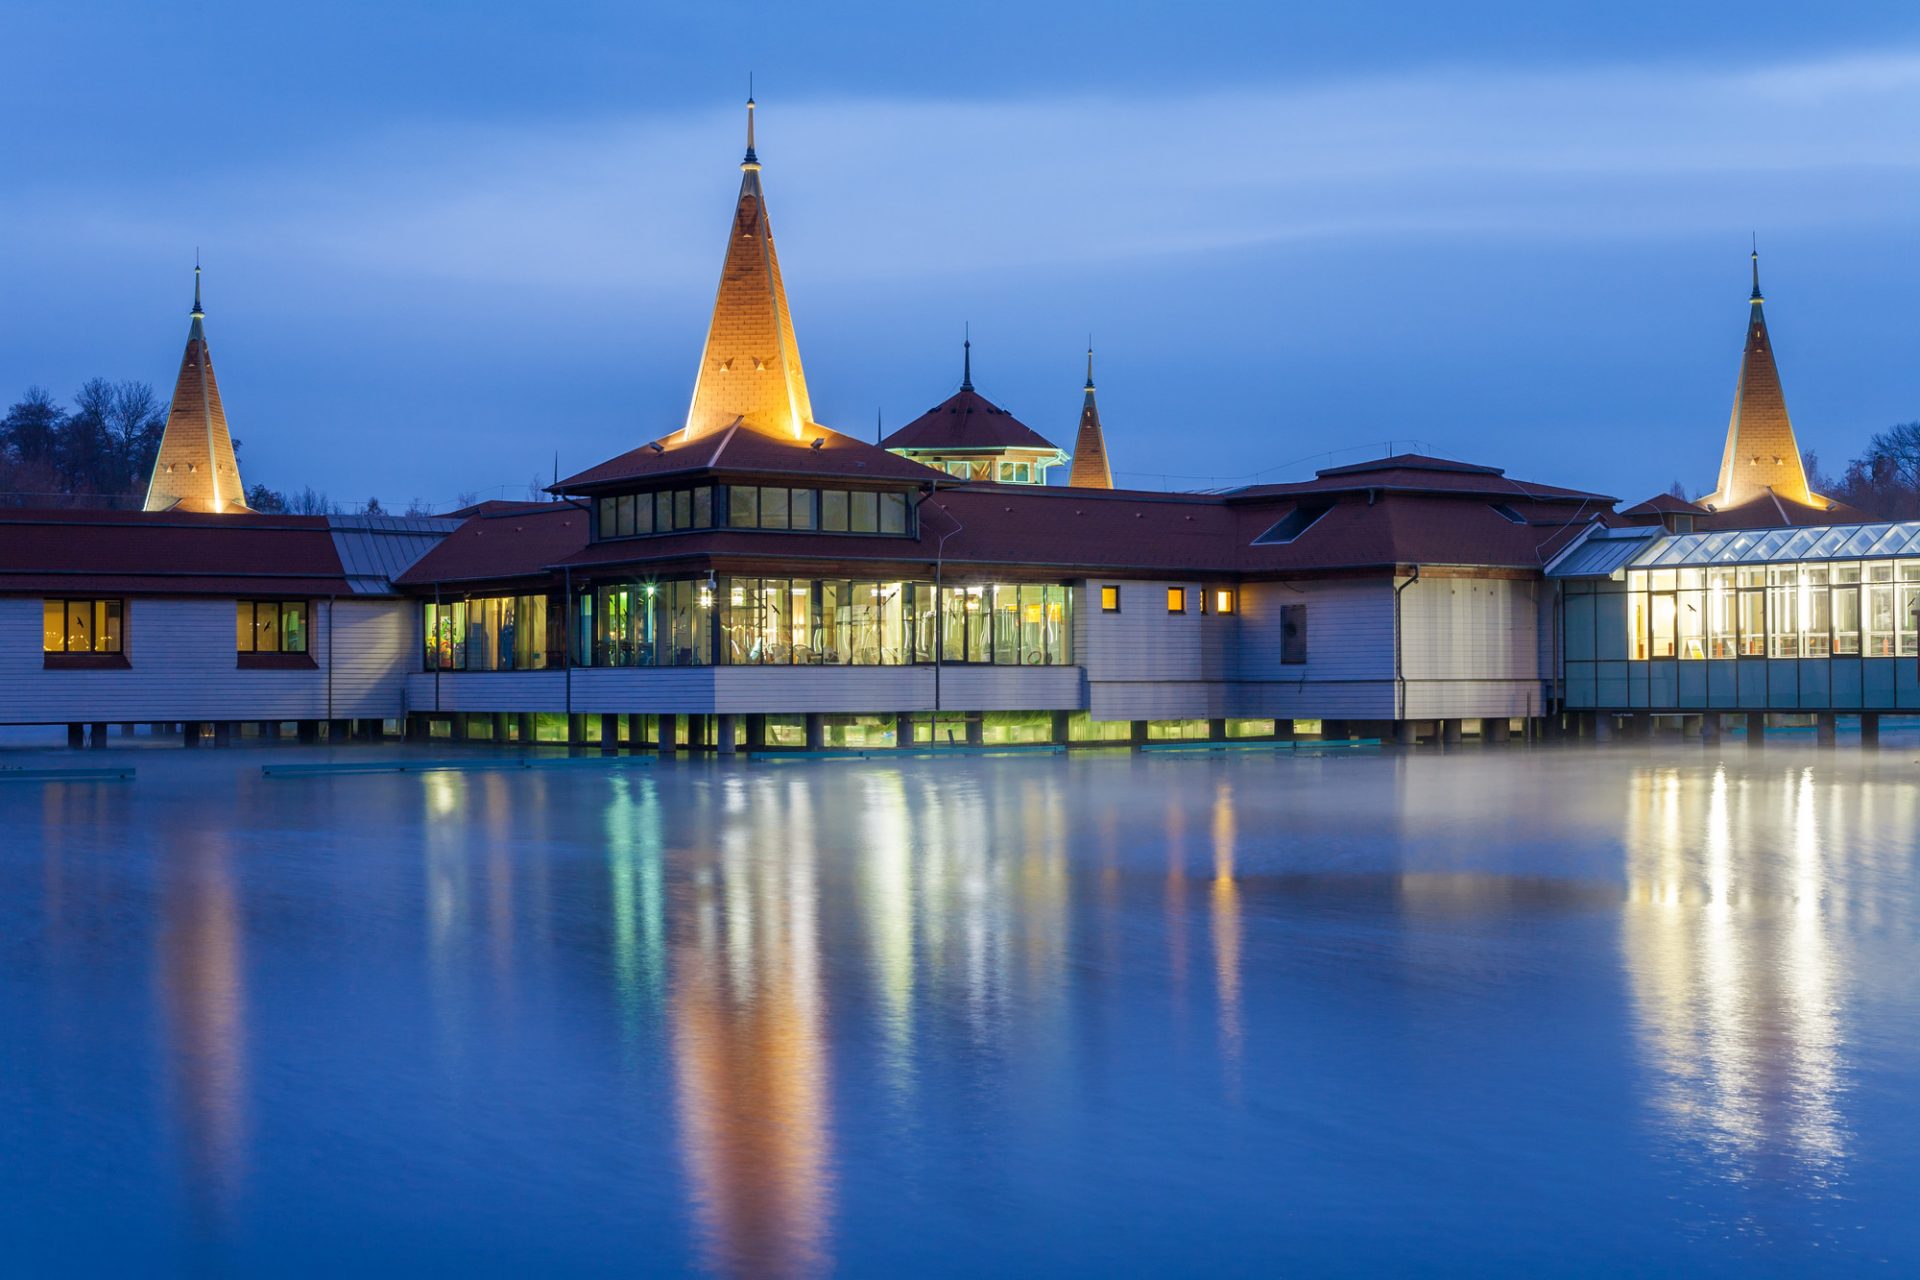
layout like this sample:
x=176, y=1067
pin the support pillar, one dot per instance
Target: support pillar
x=97, y=734
x=1061, y=731
x=309, y=730
x=419, y=728
x=339, y=730
x=1602, y=726
x=1450, y=732
x=528, y=726
x=976, y=728
x=502, y=728
x=697, y=732
x=1406, y=733
x=1756, y=728
x=1216, y=731
x=1496, y=729
x=1334, y=731
x=190, y=733
x=76, y=735
x=757, y=733
x=1870, y=729
x=668, y=734
x=725, y=730
x=1825, y=728
x=1137, y=732
x=816, y=731
x=1283, y=731
x=222, y=733
x=1640, y=726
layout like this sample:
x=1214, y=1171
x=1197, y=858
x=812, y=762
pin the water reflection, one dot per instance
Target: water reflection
x=1226, y=933
x=750, y=1041
x=201, y=968
x=1733, y=954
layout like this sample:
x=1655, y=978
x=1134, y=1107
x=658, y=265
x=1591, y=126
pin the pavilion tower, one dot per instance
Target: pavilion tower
x=195, y=469
x=1090, y=467
x=750, y=370
x=1761, y=456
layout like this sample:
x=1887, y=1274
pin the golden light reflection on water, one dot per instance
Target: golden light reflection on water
x=749, y=1040
x=201, y=970
x=1736, y=961
x=1225, y=898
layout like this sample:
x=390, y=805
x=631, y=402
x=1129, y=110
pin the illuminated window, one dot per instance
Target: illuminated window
x=1176, y=599
x=82, y=626
x=1110, y=599
x=1223, y=600
x=270, y=626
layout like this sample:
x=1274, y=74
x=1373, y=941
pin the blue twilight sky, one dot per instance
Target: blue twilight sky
x=444, y=241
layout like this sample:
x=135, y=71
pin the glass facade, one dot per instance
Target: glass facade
x=742, y=621
x=1805, y=609
x=744, y=506
x=489, y=633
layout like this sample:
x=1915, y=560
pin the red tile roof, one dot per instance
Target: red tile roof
x=167, y=553
x=505, y=541
x=1418, y=473
x=743, y=449
x=1664, y=504
x=967, y=420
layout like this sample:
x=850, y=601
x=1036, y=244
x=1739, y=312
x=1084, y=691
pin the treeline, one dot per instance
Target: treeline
x=99, y=453
x=1883, y=482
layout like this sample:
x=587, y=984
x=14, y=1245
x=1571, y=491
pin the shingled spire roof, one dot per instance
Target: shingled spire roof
x=195, y=469
x=750, y=369
x=1090, y=466
x=1762, y=456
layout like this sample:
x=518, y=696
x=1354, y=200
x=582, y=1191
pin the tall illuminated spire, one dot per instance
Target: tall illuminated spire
x=195, y=468
x=1761, y=454
x=966, y=359
x=750, y=369
x=1091, y=469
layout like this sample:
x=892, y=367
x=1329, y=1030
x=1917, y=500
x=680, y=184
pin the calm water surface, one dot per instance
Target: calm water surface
x=1507, y=1011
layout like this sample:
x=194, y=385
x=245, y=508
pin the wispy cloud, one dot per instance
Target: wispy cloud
x=914, y=188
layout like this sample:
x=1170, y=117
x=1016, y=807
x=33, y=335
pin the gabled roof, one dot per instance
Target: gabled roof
x=505, y=541
x=1768, y=510
x=168, y=553
x=1090, y=467
x=747, y=449
x=967, y=420
x=1664, y=504
x=195, y=468
x=1418, y=473
x=1761, y=455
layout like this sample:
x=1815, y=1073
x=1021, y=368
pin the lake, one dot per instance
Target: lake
x=1518, y=1011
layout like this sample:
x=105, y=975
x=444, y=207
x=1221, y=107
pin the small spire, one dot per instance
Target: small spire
x=879, y=433
x=1089, y=362
x=1756, y=268
x=196, y=285
x=966, y=360
x=750, y=159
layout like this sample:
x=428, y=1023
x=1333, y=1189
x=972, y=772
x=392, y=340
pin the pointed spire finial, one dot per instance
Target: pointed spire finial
x=751, y=158
x=1756, y=267
x=1089, y=362
x=196, y=283
x=966, y=359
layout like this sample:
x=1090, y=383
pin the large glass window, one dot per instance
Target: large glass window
x=82, y=626
x=1815, y=609
x=270, y=626
x=488, y=633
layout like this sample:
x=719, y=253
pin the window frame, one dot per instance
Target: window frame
x=1176, y=601
x=1109, y=597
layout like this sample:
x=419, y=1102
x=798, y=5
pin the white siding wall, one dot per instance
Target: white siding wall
x=1472, y=647
x=182, y=666
x=1144, y=663
x=1349, y=669
x=749, y=690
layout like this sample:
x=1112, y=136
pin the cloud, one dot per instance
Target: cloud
x=915, y=189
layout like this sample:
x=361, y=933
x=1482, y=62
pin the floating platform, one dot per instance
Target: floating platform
x=919, y=751
x=122, y=773
x=335, y=769
x=1312, y=744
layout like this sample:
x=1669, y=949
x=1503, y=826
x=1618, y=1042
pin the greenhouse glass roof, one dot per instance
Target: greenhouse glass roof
x=1776, y=546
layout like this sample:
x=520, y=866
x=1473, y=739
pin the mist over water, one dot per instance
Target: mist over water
x=1517, y=1011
